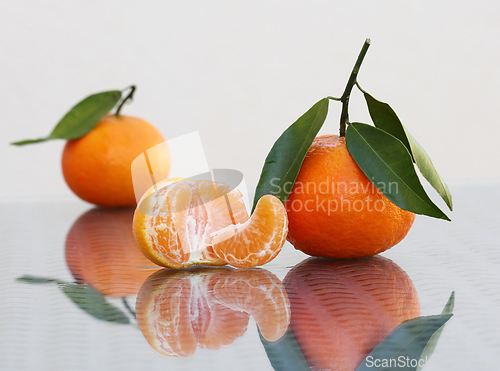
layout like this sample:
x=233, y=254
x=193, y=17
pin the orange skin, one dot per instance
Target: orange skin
x=342, y=309
x=180, y=310
x=335, y=211
x=96, y=167
x=101, y=251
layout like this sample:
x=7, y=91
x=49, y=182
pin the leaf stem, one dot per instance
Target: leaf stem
x=360, y=88
x=344, y=116
x=125, y=303
x=129, y=96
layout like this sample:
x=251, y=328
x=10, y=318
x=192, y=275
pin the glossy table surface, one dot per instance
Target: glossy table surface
x=69, y=286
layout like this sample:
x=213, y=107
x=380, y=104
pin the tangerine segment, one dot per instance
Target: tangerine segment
x=260, y=293
x=258, y=240
x=175, y=219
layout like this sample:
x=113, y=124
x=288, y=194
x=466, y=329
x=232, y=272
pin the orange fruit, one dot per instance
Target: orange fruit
x=96, y=166
x=335, y=211
x=101, y=251
x=180, y=222
x=180, y=310
x=342, y=309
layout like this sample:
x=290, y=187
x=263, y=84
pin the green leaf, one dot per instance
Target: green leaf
x=448, y=308
x=431, y=345
x=81, y=118
x=36, y=280
x=387, y=163
x=385, y=118
x=407, y=346
x=92, y=302
x=284, y=353
x=283, y=162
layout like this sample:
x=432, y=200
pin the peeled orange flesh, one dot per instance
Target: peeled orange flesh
x=181, y=222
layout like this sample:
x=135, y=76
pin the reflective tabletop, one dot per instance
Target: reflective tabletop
x=77, y=294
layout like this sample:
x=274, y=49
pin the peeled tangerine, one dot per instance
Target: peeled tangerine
x=181, y=222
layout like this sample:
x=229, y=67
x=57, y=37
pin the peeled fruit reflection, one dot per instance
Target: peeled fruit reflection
x=180, y=222
x=101, y=251
x=342, y=309
x=180, y=310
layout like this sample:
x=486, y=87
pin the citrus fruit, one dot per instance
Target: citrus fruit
x=181, y=222
x=335, y=211
x=101, y=251
x=342, y=309
x=96, y=166
x=180, y=310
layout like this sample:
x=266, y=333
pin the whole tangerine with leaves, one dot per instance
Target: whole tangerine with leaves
x=97, y=166
x=335, y=211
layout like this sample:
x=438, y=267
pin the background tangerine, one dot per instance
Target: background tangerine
x=96, y=167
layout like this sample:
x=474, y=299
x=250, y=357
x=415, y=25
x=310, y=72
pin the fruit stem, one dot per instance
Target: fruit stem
x=344, y=116
x=129, y=96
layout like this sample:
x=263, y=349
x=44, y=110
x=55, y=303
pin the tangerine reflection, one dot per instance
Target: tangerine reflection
x=101, y=251
x=342, y=309
x=180, y=310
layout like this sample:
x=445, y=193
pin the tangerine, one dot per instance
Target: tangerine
x=101, y=251
x=96, y=166
x=342, y=309
x=181, y=222
x=335, y=211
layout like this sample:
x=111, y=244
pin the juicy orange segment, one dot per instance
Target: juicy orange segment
x=258, y=240
x=175, y=220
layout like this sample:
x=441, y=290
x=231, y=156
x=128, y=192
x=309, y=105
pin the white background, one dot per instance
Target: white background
x=241, y=72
